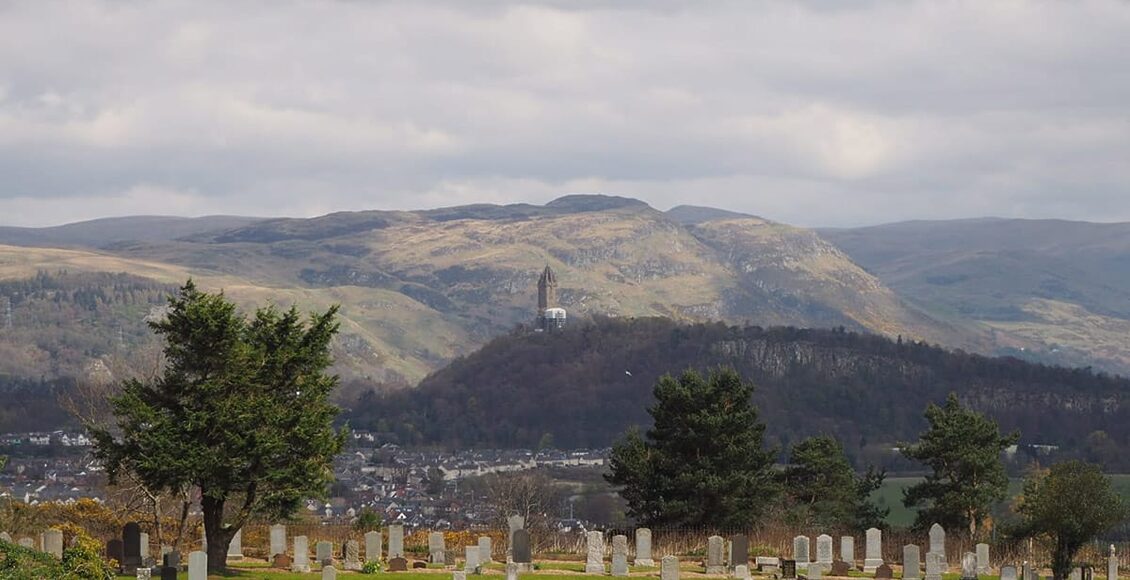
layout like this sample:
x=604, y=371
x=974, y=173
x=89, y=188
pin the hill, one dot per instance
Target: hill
x=108, y=231
x=419, y=288
x=1059, y=288
x=586, y=385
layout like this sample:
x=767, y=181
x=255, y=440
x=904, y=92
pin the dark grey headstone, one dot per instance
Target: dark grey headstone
x=522, y=547
x=788, y=569
x=739, y=550
x=419, y=564
x=839, y=568
x=168, y=573
x=398, y=565
x=131, y=547
x=114, y=550
x=172, y=559
x=884, y=571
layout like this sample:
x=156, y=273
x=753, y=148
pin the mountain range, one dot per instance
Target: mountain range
x=421, y=288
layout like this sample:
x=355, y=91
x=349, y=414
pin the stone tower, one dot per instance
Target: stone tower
x=547, y=290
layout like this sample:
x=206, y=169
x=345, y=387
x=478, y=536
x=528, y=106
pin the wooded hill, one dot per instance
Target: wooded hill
x=586, y=385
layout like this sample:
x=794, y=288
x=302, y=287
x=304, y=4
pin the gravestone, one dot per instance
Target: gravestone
x=168, y=573
x=511, y=571
x=824, y=556
x=436, y=548
x=282, y=561
x=471, y=559
x=669, y=568
x=372, y=546
x=398, y=564
x=131, y=548
x=1076, y=574
x=485, y=549
x=1112, y=565
x=1088, y=573
x=396, y=541
x=352, y=556
x=198, y=566
x=969, y=566
x=982, y=559
x=114, y=550
x=840, y=568
x=938, y=543
x=935, y=566
x=815, y=571
x=53, y=543
x=324, y=553
x=458, y=575
x=278, y=540
x=788, y=569
x=301, y=555
x=594, y=553
x=144, y=573
x=165, y=549
x=767, y=563
x=171, y=559
x=513, y=524
x=143, y=543
x=847, y=550
x=884, y=571
x=27, y=543
x=235, y=547
x=329, y=573
x=6, y=537
x=418, y=565
x=739, y=551
x=521, y=542
x=741, y=571
x=643, y=547
x=1026, y=572
x=911, y=562
x=715, y=548
x=1008, y=573
x=801, y=547
x=873, y=556
x=619, y=555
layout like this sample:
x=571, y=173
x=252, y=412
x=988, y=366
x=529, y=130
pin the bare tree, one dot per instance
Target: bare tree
x=530, y=494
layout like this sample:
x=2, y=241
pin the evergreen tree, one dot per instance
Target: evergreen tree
x=823, y=490
x=963, y=448
x=702, y=463
x=1071, y=504
x=240, y=412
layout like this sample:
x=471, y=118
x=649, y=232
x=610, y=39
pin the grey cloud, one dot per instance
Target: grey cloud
x=813, y=113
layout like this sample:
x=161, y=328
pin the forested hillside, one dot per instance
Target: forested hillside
x=584, y=386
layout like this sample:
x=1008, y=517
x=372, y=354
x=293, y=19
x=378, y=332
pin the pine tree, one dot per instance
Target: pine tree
x=823, y=489
x=702, y=463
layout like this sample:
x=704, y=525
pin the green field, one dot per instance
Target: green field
x=890, y=495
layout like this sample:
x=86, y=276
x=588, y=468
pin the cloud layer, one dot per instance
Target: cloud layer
x=862, y=113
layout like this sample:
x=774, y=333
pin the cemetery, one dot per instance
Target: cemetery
x=327, y=552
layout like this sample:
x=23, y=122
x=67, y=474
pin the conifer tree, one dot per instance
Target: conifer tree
x=823, y=490
x=702, y=462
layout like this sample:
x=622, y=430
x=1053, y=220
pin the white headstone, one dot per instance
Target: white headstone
x=938, y=542
x=53, y=543
x=278, y=540
x=1112, y=565
x=436, y=548
x=329, y=573
x=824, y=555
x=198, y=566
x=485, y=556
x=815, y=571
x=741, y=571
x=1008, y=573
x=847, y=550
x=801, y=550
x=352, y=556
x=594, y=553
x=643, y=547
x=511, y=571
x=143, y=546
x=324, y=553
x=982, y=559
x=669, y=568
x=372, y=546
x=235, y=548
x=301, y=562
x=935, y=566
x=471, y=559
x=513, y=523
x=969, y=566
x=395, y=541
x=715, y=564
x=874, y=551
x=619, y=555
x=911, y=562
x=459, y=575
x=144, y=573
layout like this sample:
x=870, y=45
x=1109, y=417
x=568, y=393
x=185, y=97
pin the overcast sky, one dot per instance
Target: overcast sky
x=866, y=113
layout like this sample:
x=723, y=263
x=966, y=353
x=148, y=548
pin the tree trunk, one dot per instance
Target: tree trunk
x=219, y=536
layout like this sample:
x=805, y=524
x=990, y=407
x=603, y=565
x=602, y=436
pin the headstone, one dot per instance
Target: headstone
x=1112, y=565
x=114, y=549
x=418, y=565
x=398, y=564
x=471, y=559
x=847, y=550
x=53, y=543
x=436, y=548
x=171, y=559
x=594, y=553
x=278, y=540
x=1026, y=572
x=715, y=547
x=198, y=566
x=1008, y=573
x=982, y=559
x=824, y=556
x=938, y=543
x=485, y=556
x=352, y=555
x=144, y=573
x=282, y=561
x=301, y=555
x=131, y=547
x=815, y=571
x=459, y=575
x=643, y=547
x=6, y=537
x=235, y=547
x=874, y=554
x=840, y=569
x=324, y=553
x=1088, y=573
x=969, y=566
x=669, y=568
x=767, y=563
x=521, y=544
x=513, y=524
x=329, y=573
x=801, y=548
x=788, y=569
x=619, y=555
x=911, y=562
x=739, y=551
x=935, y=566
x=27, y=543
x=511, y=571
x=396, y=541
x=884, y=571
x=1076, y=574
x=168, y=573
x=741, y=571
x=372, y=546
x=143, y=544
